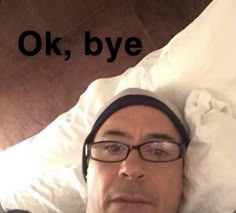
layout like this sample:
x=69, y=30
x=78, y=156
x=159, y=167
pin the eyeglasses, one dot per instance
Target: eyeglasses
x=154, y=151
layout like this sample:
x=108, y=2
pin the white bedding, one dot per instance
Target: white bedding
x=48, y=166
x=210, y=169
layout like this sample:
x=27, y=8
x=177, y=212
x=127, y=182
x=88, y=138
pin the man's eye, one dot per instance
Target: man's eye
x=113, y=148
x=159, y=152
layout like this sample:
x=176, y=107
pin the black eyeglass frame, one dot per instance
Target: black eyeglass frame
x=181, y=146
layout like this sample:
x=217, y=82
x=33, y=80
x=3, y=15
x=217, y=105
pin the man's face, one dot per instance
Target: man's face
x=135, y=185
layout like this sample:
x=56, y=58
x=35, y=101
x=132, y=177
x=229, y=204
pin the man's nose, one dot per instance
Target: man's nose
x=133, y=166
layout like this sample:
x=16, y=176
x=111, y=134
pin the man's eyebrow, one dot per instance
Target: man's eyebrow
x=116, y=133
x=150, y=136
x=162, y=136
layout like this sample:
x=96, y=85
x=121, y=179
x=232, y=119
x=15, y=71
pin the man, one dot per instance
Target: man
x=133, y=156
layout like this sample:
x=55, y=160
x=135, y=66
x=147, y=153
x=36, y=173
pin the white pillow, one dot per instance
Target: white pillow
x=53, y=191
x=210, y=164
x=202, y=55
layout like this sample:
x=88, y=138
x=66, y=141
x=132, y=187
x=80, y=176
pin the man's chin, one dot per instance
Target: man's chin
x=128, y=207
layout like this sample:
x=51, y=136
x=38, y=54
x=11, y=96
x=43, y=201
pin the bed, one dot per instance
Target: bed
x=196, y=69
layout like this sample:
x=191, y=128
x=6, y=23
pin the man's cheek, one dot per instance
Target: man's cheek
x=94, y=189
x=102, y=175
x=97, y=178
x=91, y=172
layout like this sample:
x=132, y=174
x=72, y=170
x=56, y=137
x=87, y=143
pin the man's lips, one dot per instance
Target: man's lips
x=131, y=199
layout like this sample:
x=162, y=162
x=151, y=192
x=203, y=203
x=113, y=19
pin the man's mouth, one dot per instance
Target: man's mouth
x=139, y=199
